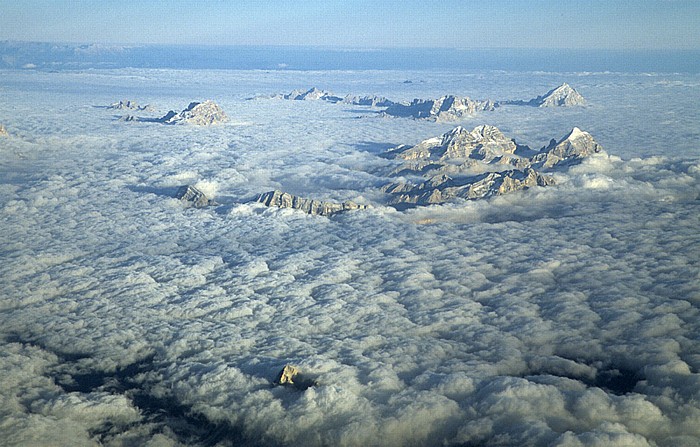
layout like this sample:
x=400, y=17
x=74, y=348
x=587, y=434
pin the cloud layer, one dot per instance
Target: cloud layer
x=564, y=316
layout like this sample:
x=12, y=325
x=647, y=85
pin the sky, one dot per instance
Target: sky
x=594, y=24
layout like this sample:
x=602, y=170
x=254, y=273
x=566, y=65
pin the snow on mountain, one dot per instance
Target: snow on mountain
x=309, y=206
x=562, y=96
x=204, y=113
x=485, y=149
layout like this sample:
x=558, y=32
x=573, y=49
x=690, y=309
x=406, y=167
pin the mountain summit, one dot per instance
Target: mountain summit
x=198, y=113
x=562, y=96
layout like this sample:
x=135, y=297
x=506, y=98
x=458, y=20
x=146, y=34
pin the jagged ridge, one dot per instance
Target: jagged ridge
x=282, y=199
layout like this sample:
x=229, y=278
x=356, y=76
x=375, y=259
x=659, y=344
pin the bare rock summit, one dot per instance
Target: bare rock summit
x=446, y=108
x=483, y=143
x=129, y=105
x=576, y=145
x=197, y=113
x=313, y=94
x=562, y=96
x=292, y=376
x=309, y=206
x=479, y=163
x=443, y=188
x=192, y=196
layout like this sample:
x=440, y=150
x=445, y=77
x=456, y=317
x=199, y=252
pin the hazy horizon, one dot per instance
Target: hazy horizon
x=54, y=56
x=581, y=24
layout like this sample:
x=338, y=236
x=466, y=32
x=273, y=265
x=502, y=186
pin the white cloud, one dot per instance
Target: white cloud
x=560, y=315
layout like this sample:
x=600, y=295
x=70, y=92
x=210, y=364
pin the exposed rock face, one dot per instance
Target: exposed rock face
x=128, y=105
x=313, y=94
x=192, y=196
x=198, y=113
x=442, y=188
x=469, y=164
x=314, y=207
x=562, y=96
x=292, y=376
x=482, y=143
x=372, y=101
x=573, y=147
x=446, y=108
x=3, y=131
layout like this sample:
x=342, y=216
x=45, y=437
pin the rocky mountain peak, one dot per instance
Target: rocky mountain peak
x=127, y=104
x=564, y=95
x=282, y=199
x=192, y=196
x=573, y=146
x=198, y=113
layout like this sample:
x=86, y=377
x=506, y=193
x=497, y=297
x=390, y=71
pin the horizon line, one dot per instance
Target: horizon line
x=342, y=47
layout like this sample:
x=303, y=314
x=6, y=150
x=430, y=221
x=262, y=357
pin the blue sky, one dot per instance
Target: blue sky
x=360, y=23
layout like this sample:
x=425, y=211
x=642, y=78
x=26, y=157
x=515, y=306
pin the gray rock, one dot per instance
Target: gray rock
x=443, y=188
x=313, y=94
x=469, y=165
x=446, y=108
x=128, y=105
x=293, y=377
x=372, y=101
x=197, y=113
x=191, y=196
x=576, y=145
x=486, y=148
x=562, y=96
x=309, y=206
x=483, y=143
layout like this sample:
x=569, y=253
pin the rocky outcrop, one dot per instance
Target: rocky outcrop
x=562, y=96
x=309, y=206
x=446, y=108
x=204, y=113
x=191, y=196
x=443, y=188
x=460, y=150
x=576, y=145
x=3, y=131
x=480, y=163
x=129, y=105
x=481, y=143
x=371, y=101
x=313, y=94
x=484, y=148
x=293, y=377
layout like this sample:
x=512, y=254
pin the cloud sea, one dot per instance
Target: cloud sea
x=561, y=316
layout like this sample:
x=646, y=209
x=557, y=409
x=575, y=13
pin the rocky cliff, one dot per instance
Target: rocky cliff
x=562, y=96
x=574, y=146
x=442, y=188
x=309, y=206
x=191, y=196
x=197, y=113
x=446, y=108
x=129, y=105
x=479, y=163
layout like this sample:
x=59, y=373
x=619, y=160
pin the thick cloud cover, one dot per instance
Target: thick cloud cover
x=563, y=316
